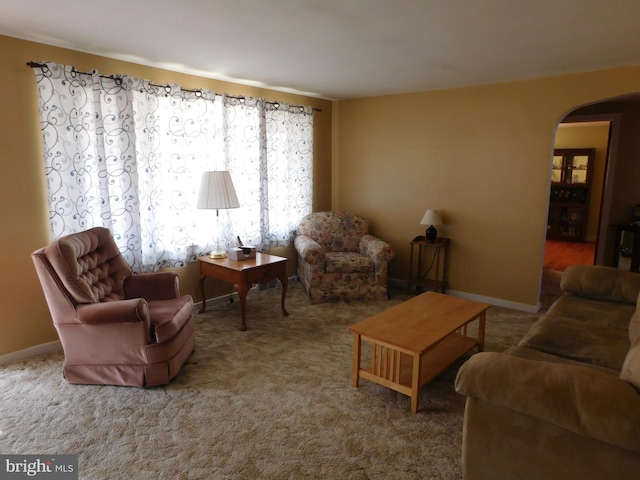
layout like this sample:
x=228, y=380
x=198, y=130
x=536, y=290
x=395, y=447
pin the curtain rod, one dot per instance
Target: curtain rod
x=167, y=88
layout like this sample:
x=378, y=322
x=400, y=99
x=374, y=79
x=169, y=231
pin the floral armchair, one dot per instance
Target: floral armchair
x=339, y=260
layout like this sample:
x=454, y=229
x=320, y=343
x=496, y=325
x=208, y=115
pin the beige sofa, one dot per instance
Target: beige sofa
x=565, y=402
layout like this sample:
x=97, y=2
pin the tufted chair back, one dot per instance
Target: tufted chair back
x=89, y=266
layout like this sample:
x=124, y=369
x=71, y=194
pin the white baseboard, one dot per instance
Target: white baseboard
x=498, y=302
x=30, y=352
x=523, y=307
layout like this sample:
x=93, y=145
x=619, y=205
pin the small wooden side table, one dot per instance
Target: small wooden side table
x=243, y=274
x=438, y=264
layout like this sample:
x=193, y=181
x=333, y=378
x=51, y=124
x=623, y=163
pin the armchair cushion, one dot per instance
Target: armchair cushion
x=347, y=262
x=169, y=316
x=152, y=286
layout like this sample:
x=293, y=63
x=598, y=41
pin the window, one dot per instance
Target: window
x=126, y=154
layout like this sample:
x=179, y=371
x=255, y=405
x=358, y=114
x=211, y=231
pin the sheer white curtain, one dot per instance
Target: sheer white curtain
x=123, y=153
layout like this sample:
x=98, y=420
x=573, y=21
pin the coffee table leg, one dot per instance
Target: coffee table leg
x=415, y=383
x=357, y=348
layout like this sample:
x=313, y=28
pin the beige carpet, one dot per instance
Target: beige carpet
x=274, y=402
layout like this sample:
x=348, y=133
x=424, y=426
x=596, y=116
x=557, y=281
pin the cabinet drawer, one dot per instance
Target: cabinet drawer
x=263, y=275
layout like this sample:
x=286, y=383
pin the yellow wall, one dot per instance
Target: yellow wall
x=577, y=135
x=25, y=320
x=478, y=155
x=474, y=153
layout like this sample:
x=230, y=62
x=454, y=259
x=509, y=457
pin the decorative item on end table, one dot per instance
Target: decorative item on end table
x=431, y=217
x=216, y=191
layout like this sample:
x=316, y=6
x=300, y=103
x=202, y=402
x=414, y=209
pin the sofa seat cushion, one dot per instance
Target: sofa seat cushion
x=532, y=354
x=593, y=312
x=573, y=339
x=347, y=262
x=169, y=316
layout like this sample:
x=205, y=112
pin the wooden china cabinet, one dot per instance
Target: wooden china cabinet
x=570, y=191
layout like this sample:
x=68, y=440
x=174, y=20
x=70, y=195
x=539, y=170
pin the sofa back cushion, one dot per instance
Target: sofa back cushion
x=89, y=265
x=631, y=367
x=634, y=324
x=601, y=283
x=335, y=231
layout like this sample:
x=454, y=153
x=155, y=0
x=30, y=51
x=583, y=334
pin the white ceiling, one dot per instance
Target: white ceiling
x=339, y=49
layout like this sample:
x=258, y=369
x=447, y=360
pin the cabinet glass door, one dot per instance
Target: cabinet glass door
x=556, y=169
x=579, y=166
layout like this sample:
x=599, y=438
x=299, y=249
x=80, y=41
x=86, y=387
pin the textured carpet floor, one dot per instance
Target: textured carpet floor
x=274, y=402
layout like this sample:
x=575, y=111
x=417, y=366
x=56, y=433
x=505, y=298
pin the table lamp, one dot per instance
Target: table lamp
x=431, y=217
x=216, y=191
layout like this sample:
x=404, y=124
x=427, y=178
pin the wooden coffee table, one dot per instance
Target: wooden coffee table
x=413, y=342
x=243, y=274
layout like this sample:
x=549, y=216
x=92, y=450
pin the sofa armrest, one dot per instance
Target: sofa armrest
x=152, y=286
x=121, y=311
x=601, y=283
x=309, y=250
x=377, y=250
x=579, y=399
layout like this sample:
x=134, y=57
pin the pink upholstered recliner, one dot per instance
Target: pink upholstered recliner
x=116, y=328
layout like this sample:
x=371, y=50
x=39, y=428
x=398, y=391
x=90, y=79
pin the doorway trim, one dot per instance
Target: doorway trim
x=609, y=174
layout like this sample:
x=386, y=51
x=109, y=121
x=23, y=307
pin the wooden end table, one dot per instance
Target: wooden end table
x=422, y=276
x=414, y=341
x=243, y=274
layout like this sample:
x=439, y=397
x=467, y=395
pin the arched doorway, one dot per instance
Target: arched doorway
x=621, y=173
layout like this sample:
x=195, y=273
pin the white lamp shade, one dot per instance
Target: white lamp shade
x=216, y=191
x=431, y=217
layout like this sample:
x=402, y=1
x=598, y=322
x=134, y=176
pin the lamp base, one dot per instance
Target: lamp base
x=431, y=234
x=218, y=253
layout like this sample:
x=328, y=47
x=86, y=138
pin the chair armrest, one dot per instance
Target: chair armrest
x=108, y=332
x=377, y=250
x=309, y=250
x=152, y=286
x=120, y=311
x=579, y=399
